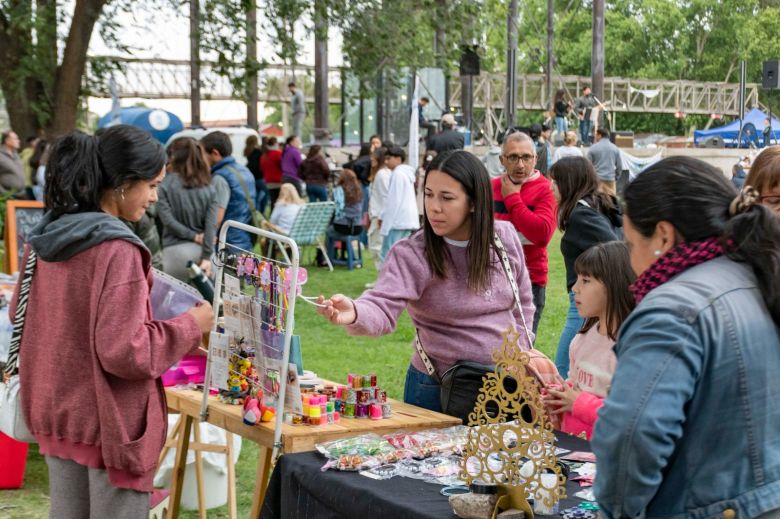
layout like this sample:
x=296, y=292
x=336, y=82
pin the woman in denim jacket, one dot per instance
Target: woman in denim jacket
x=691, y=426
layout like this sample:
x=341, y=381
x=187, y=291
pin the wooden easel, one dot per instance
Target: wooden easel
x=179, y=438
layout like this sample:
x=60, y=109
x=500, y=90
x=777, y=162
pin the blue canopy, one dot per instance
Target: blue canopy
x=160, y=123
x=730, y=132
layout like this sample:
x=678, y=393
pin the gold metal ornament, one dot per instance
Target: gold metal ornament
x=511, y=441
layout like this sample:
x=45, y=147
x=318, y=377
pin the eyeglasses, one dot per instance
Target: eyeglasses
x=772, y=200
x=514, y=159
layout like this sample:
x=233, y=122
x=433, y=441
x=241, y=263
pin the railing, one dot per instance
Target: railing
x=620, y=94
x=170, y=79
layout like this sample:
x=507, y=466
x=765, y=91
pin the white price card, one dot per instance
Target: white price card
x=232, y=284
x=233, y=326
x=218, y=354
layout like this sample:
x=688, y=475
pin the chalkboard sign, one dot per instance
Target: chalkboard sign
x=20, y=217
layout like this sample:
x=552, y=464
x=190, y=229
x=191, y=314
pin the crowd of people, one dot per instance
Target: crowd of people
x=671, y=333
x=668, y=359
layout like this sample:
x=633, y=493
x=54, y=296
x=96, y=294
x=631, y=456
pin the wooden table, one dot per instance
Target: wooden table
x=295, y=438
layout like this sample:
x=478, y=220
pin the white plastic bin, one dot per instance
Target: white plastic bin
x=215, y=478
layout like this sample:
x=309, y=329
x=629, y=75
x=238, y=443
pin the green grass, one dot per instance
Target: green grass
x=331, y=353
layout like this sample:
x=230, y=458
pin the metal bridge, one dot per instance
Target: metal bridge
x=170, y=79
x=620, y=95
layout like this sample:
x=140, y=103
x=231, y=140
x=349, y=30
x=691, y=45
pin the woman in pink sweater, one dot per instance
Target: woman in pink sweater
x=91, y=356
x=603, y=298
x=448, y=276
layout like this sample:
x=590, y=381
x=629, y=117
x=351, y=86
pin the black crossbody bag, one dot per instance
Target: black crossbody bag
x=461, y=383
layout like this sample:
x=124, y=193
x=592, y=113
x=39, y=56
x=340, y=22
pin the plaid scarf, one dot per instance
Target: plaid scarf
x=677, y=260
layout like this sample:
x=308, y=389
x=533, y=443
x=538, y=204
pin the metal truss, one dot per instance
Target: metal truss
x=620, y=95
x=170, y=79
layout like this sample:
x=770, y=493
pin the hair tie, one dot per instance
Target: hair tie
x=746, y=199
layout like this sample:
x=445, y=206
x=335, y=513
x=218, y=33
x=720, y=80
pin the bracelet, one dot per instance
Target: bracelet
x=354, y=307
x=454, y=490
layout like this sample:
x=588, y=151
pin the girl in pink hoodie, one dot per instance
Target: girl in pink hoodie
x=603, y=298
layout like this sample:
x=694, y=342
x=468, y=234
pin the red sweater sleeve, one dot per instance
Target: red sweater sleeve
x=538, y=225
x=128, y=343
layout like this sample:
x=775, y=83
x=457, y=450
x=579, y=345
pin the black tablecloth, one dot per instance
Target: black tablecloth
x=299, y=489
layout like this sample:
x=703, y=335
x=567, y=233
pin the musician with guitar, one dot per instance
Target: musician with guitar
x=584, y=108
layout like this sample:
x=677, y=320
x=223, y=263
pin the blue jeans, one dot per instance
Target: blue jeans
x=261, y=199
x=585, y=127
x=422, y=390
x=389, y=240
x=317, y=193
x=570, y=328
x=366, y=197
x=560, y=124
x=539, y=294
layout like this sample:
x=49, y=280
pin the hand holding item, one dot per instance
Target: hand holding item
x=560, y=399
x=339, y=309
x=204, y=315
x=205, y=266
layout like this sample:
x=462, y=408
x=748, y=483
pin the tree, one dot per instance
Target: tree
x=41, y=93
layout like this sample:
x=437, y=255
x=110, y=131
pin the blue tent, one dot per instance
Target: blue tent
x=159, y=123
x=730, y=132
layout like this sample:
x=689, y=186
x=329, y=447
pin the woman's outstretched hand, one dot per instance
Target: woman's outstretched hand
x=339, y=309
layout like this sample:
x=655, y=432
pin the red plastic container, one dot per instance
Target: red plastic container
x=14, y=456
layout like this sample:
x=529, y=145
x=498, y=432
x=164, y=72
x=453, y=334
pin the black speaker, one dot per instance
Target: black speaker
x=771, y=76
x=469, y=61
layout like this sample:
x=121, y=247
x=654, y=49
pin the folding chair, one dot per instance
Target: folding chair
x=310, y=226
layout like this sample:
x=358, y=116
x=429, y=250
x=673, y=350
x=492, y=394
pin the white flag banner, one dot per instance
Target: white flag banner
x=635, y=165
x=414, y=128
x=647, y=93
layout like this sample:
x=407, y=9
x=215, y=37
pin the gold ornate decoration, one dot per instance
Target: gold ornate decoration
x=511, y=442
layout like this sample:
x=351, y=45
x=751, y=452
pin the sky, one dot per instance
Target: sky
x=166, y=35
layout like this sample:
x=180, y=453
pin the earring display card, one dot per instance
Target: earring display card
x=219, y=351
x=232, y=284
x=255, y=299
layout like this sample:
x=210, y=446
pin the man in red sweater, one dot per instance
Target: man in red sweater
x=524, y=197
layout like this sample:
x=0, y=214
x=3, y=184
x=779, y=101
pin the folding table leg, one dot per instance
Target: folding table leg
x=232, y=505
x=199, y=475
x=261, y=479
x=177, y=478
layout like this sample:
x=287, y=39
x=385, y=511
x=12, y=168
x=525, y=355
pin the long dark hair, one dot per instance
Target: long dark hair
x=353, y=192
x=379, y=157
x=313, y=151
x=472, y=175
x=81, y=168
x=609, y=263
x=576, y=179
x=186, y=158
x=251, y=145
x=38, y=156
x=560, y=95
x=695, y=198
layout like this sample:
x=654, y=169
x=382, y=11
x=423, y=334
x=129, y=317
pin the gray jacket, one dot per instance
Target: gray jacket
x=185, y=212
x=605, y=157
x=298, y=103
x=691, y=428
x=11, y=171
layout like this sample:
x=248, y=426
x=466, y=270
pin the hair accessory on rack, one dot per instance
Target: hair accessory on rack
x=265, y=275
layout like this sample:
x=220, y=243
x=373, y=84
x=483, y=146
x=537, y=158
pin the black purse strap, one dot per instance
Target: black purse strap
x=12, y=364
x=515, y=292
